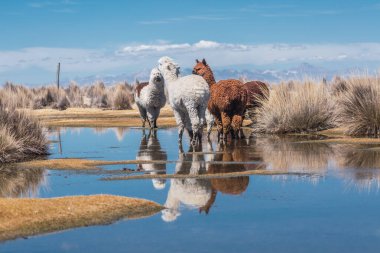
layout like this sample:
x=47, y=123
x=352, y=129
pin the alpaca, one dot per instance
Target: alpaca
x=227, y=102
x=150, y=98
x=188, y=98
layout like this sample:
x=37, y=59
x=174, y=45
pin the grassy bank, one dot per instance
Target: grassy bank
x=93, y=117
x=26, y=217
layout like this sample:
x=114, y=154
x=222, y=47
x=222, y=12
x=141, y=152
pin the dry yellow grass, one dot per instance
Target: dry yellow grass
x=21, y=135
x=26, y=217
x=358, y=106
x=78, y=164
x=93, y=117
x=294, y=108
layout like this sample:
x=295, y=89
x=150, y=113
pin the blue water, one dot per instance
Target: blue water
x=334, y=210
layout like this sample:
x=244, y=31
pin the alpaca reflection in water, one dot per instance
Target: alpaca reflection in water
x=191, y=192
x=201, y=193
x=150, y=149
x=18, y=182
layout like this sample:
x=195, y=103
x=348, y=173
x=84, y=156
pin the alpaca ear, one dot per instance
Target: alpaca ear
x=196, y=60
x=204, y=61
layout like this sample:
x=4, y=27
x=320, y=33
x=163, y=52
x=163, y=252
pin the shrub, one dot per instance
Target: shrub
x=63, y=103
x=17, y=96
x=74, y=95
x=358, y=108
x=21, y=135
x=298, y=107
x=119, y=98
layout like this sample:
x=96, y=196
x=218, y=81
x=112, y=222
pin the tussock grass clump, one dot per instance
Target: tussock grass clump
x=358, y=108
x=74, y=95
x=293, y=108
x=120, y=97
x=16, y=95
x=21, y=135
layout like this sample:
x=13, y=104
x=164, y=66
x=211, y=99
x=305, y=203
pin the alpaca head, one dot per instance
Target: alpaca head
x=156, y=77
x=168, y=67
x=201, y=68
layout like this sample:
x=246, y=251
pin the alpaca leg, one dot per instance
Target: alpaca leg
x=195, y=122
x=210, y=122
x=219, y=127
x=180, y=123
x=157, y=113
x=226, y=123
x=202, y=111
x=236, y=123
x=153, y=113
x=143, y=114
x=188, y=127
x=150, y=114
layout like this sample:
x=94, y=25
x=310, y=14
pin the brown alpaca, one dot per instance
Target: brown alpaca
x=255, y=89
x=228, y=99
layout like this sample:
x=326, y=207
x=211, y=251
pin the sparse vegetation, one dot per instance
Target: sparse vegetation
x=295, y=107
x=117, y=97
x=358, y=106
x=21, y=135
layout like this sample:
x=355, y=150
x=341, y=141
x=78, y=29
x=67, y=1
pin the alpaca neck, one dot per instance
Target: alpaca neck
x=209, y=77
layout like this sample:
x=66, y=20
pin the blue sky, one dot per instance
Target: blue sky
x=109, y=37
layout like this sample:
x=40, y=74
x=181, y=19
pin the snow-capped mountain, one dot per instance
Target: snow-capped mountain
x=270, y=75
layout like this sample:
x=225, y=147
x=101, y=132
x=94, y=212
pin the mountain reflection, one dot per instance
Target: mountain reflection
x=150, y=149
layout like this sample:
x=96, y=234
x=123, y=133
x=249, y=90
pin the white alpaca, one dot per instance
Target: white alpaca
x=188, y=97
x=150, y=98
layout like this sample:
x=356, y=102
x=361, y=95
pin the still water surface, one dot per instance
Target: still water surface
x=335, y=207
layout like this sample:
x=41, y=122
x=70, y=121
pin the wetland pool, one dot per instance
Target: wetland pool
x=333, y=205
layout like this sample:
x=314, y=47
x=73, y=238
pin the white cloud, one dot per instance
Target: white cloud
x=159, y=48
x=77, y=61
x=206, y=44
x=259, y=54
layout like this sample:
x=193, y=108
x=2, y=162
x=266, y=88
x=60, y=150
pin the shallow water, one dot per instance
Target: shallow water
x=333, y=207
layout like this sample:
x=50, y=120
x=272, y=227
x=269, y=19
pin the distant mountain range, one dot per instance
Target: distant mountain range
x=270, y=75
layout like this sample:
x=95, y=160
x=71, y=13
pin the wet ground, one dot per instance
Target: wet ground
x=332, y=206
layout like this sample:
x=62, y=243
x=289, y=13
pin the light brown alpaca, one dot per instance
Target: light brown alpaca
x=228, y=99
